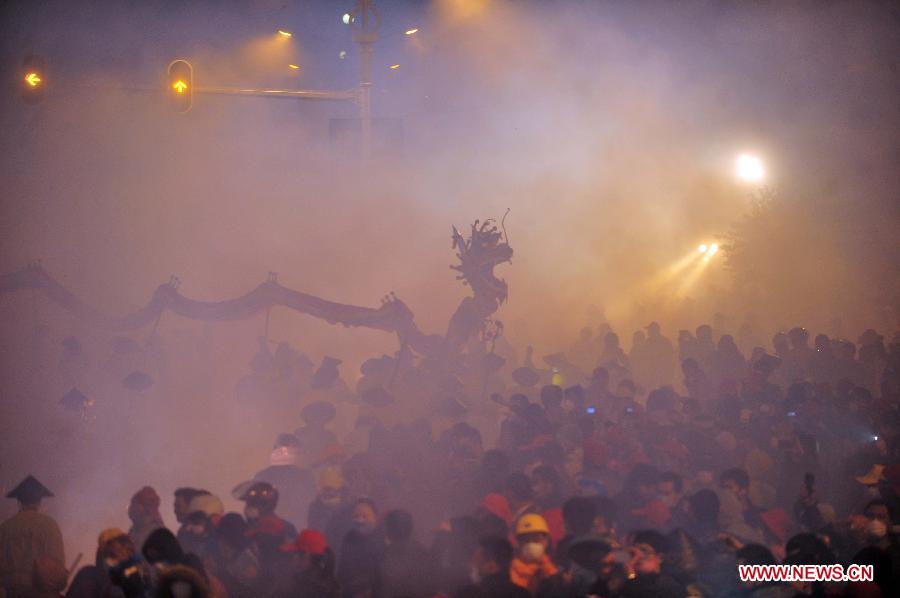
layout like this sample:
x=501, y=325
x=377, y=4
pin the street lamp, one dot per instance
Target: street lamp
x=749, y=168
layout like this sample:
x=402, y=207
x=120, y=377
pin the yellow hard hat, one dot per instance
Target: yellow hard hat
x=531, y=523
x=109, y=535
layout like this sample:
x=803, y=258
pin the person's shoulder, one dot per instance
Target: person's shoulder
x=29, y=519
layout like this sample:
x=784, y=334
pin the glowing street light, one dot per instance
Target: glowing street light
x=346, y=18
x=749, y=168
x=294, y=67
x=702, y=248
x=284, y=33
x=394, y=67
x=711, y=251
x=412, y=31
x=32, y=79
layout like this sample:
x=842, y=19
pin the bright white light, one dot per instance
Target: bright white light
x=346, y=18
x=342, y=54
x=702, y=248
x=412, y=31
x=749, y=168
x=712, y=250
x=285, y=33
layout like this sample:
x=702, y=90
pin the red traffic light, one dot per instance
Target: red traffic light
x=180, y=85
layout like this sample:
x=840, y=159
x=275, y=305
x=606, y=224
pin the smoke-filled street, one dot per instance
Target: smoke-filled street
x=459, y=298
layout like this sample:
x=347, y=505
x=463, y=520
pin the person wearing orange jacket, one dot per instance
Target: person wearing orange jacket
x=532, y=564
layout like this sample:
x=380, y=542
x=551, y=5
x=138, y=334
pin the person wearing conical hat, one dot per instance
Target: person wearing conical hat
x=32, y=561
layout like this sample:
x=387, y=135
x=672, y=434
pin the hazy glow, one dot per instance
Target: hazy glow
x=32, y=79
x=294, y=66
x=284, y=33
x=712, y=250
x=179, y=86
x=702, y=248
x=749, y=168
x=395, y=66
x=411, y=31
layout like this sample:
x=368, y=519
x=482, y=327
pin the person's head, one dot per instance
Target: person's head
x=518, y=490
x=29, y=493
x=231, y=535
x=735, y=480
x=364, y=515
x=331, y=487
x=183, y=498
x=144, y=506
x=638, y=338
x=600, y=378
x=551, y=396
x=492, y=557
x=626, y=389
x=798, y=337
x=573, y=398
x=653, y=330
x=532, y=536
x=754, y=554
x=198, y=524
x=879, y=515
x=306, y=548
x=647, y=549
x=115, y=546
x=704, y=333
x=611, y=340
x=726, y=343
x=704, y=506
x=670, y=488
x=398, y=526
x=642, y=482
x=604, y=516
x=260, y=499
x=161, y=546
x=578, y=515
x=545, y=482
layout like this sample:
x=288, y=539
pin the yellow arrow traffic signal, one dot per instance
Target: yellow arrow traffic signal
x=181, y=85
x=33, y=76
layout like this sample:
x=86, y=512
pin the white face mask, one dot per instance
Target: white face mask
x=532, y=551
x=251, y=513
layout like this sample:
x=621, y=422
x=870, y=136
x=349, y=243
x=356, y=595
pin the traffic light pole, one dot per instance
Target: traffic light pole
x=302, y=94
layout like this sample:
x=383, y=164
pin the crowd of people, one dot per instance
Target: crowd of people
x=601, y=472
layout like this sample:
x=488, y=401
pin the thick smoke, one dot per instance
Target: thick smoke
x=608, y=130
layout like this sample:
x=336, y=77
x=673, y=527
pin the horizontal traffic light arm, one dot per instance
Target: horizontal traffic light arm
x=299, y=94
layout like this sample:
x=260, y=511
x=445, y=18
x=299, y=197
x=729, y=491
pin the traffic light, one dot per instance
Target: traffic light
x=34, y=79
x=181, y=85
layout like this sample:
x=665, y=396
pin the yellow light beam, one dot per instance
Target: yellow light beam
x=32, y=79
x=284, y=33
x=179, y=86
x=294, y=66
x=395, y=67
x=412, y=31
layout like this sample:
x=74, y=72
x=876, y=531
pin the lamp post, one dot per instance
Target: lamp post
x=365, y=21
